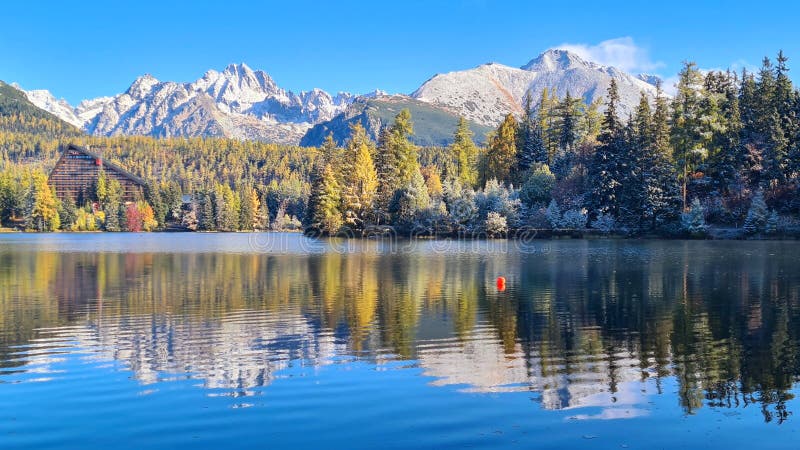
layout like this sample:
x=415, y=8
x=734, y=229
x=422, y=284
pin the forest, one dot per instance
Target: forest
x=719, y=158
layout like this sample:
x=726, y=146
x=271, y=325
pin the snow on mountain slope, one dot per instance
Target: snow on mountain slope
x=246, y=104
x=60, y=108
x=237, y=102
x=488, y=92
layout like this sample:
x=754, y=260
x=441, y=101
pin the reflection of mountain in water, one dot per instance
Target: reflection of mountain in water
x=241, y=350
x=587, y=324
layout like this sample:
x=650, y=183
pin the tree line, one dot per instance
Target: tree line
x=722, y=152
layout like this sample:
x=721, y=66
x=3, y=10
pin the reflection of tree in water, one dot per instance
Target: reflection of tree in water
x=591, y=324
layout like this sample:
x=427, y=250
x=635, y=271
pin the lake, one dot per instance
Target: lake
x=279, y=341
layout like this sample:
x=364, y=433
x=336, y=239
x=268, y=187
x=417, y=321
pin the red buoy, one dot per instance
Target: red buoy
x=501, y=284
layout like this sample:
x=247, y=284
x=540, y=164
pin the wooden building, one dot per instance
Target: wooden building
x=76, y=172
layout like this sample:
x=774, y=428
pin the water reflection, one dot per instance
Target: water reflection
x=583, y=324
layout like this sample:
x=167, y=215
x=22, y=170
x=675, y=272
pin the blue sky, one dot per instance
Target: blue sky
x=87, y=49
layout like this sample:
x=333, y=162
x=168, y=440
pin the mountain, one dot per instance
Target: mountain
x=433, y=125
x=489, y=92
x=237, y=102
x=650, y=79
x=246, y=104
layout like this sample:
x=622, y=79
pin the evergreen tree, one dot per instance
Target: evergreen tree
x=409, y=202
x=386, y=167
x=635, y=172
x=501, y=154
x=226, y=208
x=205, y=209
x=546, y=116
x=757, y=215
x=152, y=194
x=726, y=158
x=531, y=148
x=662, y=192
x=111, y=203
x=249, y=214
x=687, y=134
x=606, y=172
x=67, y=212
x=263, y=214
x=694, y=221
x=465, y=153
x=569, y=113
x=406, y=152
x=324, y=215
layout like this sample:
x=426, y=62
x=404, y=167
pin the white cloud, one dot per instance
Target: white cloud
x=622, y=53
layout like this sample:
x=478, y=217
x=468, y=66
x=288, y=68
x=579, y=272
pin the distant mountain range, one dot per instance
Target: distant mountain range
x=246, y=104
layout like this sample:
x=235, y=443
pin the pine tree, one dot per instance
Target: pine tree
x=409, y=202
x=386, y=168
x=329, y=152
x=152, y=194
x=501, y=154
x=693, y=220
x=406, y=152
x=687, y=133
x=531, y=149
x=206, y=220
x=263, y=214
x=635, y=172
x=226, y=208
x=569, y=114
x=546, y=115
x=110, y=205
x=249, y=214
x=323, y=214
x=606, y=172
x=360, y=179
x=662, y=192
x=726, y=158
x=465, y=153
x=757, y=215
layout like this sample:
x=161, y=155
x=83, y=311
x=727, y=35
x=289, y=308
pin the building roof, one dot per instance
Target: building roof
x=107, y=163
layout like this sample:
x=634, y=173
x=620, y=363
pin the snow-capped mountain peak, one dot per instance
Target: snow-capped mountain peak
x=487, y=93
x=237, y=102
x=142, y=86
x=556, y=59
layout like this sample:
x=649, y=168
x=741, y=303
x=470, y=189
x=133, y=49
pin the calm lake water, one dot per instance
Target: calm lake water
x=276, y=341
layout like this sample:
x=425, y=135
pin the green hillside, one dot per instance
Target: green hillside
x=433, y=126
x=19, y=115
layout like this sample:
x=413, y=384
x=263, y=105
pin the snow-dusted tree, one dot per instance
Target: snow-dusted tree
x=495, y=225
x=771, y=226
x=606, y=172
x=604, y=223
x=538, y=186
x=694, y=220
x=408, y=202
x=757, y=215
x=553, y=215
x=574, y=219
x=495, y=197
x=688, y=133
x=531, y=149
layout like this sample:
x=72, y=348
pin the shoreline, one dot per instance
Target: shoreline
x=521, y=235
